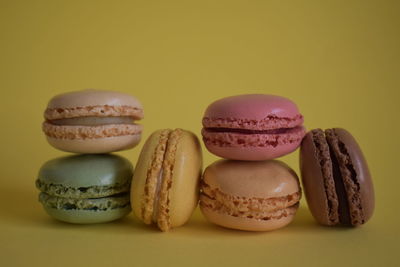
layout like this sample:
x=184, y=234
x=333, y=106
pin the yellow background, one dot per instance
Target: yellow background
x=338, y=60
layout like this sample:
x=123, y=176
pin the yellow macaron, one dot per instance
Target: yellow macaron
x=165, y=185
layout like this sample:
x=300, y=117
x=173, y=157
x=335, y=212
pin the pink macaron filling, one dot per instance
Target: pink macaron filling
x=250, y=131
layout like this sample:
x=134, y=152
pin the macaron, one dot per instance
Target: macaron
x=337, y=182
x=86, y=188
x=165, y=186
x=250, y=195
x=93, y=121
x=252, y=127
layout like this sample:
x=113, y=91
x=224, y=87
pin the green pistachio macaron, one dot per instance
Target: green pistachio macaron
x=86, y=188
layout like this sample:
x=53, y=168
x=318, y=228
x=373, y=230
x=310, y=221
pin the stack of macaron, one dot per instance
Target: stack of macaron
x=92, y=186
x=95, y=186
x=251, y=190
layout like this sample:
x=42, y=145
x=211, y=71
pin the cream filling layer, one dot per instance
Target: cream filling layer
x=93, y=121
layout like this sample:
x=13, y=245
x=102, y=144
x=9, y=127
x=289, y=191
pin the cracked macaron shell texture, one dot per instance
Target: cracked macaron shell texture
x=97, y=138
x=252, y=127
x=165, y=185
x=86, y=188
x=252, y=196
x=336, y=179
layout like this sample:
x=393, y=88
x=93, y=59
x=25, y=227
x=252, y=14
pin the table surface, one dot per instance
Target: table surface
x=339, y=61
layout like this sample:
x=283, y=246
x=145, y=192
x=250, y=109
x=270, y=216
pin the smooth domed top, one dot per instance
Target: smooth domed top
x=86, y=170
x=93, y=97
x=252, y=106
x=252, y=178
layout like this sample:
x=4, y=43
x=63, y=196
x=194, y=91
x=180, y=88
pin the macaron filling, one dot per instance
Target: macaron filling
x=93, y=121
x=349, y=188
x=251, y=131
x=343, y=209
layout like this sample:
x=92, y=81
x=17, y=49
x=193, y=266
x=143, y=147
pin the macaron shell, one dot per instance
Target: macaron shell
x=73, y=132
x=361, y=168
x=252, y=106
x=79, y=171
x=139, y=180
x=245, y=224
x=87, y=217
x=262, y=179
x=97, y=145
x=184, y=191
x=313, y=181
x=93, y=97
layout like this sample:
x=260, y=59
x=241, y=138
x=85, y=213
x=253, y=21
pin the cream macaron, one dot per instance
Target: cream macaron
x=93, y=121
x=251, y=196
x=165, y=185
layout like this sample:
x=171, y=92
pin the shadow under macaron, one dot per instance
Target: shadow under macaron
x=303, y=223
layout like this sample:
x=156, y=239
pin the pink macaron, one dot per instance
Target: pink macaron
x=252, y=127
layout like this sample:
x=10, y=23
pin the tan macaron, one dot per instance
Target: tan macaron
x=93, y=121
x=165, y=185
x=252, y=195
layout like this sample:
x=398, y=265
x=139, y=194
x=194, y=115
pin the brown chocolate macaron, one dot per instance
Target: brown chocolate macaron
x=337, y=183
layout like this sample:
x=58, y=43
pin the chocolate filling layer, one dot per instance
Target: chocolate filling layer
x=344, y=211
x=354, y=214
x=246, y=131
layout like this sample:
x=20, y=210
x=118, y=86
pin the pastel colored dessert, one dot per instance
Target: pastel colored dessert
x=249, y=195
x=86, y=188
x=165, y=185
x=252, y=127
x=93, y=121
x=336, y=179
